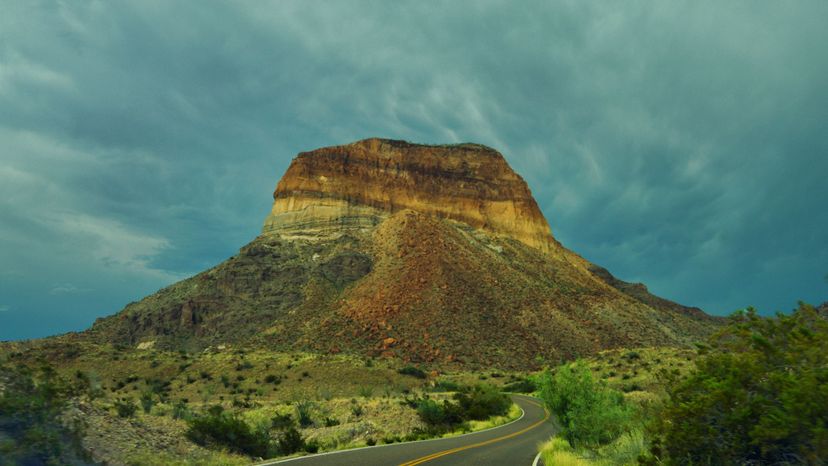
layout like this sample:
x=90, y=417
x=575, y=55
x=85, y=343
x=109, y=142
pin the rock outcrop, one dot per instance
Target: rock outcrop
x=328, y=191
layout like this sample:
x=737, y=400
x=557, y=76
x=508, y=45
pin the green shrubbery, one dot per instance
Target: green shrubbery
x=590, y=413
x=220, y=429
x=30, y=406
x=759, y=395
x=520, y=386
x=125, y=407
x=478, y=403
x=412, y=371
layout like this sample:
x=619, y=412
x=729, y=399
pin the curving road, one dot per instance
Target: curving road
x=513, y=444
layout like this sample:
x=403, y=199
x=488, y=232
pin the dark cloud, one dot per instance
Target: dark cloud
x=679, y=144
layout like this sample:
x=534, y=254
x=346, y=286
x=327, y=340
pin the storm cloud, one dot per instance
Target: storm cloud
x=680, y=144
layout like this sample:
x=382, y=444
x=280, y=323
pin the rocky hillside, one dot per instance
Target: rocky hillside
x=426, y=253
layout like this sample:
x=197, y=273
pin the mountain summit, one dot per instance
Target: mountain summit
x=427, y=253
x=331, y=190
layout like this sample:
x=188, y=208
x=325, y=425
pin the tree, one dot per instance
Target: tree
x=590, y=413
x=759, y=395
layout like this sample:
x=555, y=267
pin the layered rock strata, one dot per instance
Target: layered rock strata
x=330, y=190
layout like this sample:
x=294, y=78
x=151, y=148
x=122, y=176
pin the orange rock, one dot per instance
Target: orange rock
x=360, y=183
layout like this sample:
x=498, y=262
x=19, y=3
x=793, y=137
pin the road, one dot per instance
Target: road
x=513, y=444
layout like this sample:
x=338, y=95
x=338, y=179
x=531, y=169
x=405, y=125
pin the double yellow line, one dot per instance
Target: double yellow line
x=475, y=445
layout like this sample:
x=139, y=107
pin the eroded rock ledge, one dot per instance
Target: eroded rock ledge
x=358, y=185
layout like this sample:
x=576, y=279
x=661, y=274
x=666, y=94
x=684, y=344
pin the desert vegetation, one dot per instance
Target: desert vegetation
x=229, y=405
x=755, y=393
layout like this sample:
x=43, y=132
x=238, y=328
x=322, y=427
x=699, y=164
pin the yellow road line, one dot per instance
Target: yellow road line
x=487, y=442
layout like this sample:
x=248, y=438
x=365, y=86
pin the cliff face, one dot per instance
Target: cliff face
x=433, y=254
x=329, y=190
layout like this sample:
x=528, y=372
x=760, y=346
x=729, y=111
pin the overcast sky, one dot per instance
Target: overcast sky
x=682, y=145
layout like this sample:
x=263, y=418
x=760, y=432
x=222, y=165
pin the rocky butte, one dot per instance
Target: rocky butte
x=426, y=253
x=327, y=191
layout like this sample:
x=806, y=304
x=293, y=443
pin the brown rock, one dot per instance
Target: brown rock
x=359, y=184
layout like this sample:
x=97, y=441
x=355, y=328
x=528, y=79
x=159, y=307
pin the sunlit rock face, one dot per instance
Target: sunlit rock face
x=327, y=191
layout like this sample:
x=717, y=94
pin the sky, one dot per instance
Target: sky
x=679, y=144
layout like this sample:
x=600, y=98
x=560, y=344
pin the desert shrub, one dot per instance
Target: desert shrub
x=590, y=413
x=158, y=386
x=759, y=395
x=520, y=386
x=244, y=365
x=357, y=410
x=272, y=378
x=312, y=446
x=371, y=441
x=330, y=422
x=412, y=371
x=366, y=392
x=30, y=427
x=147, y=401
x=476, y=404
x=290, y=441
x=631, y=356
x=125, y=408
x=388, y=439
x=431, y=412
x=303, y=413
x=223, y=430
x=446, y=386
x=180, y=410
x=282, y=421
x=481, y=402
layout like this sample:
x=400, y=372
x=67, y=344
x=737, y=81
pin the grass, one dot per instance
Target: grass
x=557, y=452
x=624, y=451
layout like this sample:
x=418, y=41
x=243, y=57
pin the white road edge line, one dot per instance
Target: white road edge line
x=268, y=463
x=537, y=458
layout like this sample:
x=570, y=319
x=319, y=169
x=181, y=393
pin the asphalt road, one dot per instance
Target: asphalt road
x=514, y=444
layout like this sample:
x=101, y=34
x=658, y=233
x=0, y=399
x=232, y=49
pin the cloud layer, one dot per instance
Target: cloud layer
x=678, y=144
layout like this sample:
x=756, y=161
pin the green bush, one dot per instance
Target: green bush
x=30, y=426
x=759, y=395
x=412, y=371
x=282, y=421
x=180, y=410
x=224, y=430
x=478, y=403
x=312, y=446
x=520, y=386
x=446, y=386
x=147, y=401
x=125, y=408
x=481, y=402
x=290, y=441
x=589, y=412
x=303, y=413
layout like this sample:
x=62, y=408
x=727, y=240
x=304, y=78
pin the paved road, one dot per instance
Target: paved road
x=514, y=444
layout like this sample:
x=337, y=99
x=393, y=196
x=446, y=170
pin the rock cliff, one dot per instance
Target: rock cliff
x=328, y=191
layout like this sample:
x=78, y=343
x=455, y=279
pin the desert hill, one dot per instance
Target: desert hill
x=424, y=253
